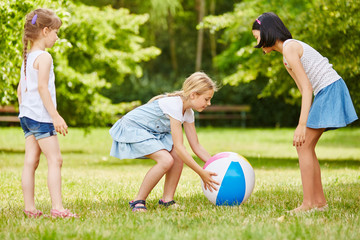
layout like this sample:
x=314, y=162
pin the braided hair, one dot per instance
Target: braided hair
x=35, y=22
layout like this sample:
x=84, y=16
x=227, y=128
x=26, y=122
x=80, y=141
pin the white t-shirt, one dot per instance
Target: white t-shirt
x=173, y=107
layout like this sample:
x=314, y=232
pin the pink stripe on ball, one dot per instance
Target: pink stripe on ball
x=216, y=157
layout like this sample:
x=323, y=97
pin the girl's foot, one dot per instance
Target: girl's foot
x=138, y=206
x=322, y=208
x=171, y=204
x=63, y=214
x=33, y=214
x=302, y=209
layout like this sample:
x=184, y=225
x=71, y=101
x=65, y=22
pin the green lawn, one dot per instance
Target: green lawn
x=98, y=187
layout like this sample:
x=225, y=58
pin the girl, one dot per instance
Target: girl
x=332, y=107
x=154, y=130
x=38, y=116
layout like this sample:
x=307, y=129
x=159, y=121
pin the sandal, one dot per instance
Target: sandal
x=167, y=204
x=63, y=214
x=34, y=214
x=135, y=208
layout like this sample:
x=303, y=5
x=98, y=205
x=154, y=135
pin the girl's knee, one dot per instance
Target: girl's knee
x=305, y=148
x=32, y=163
x=56, y=161
x=167, y=163
x=59, y=161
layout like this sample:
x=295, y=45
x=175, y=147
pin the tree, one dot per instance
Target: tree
x=97, y=48
x=200, y=5
x=329, y=26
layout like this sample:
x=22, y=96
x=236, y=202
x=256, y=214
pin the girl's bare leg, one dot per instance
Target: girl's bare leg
x=32, y=158
x=172, y=178
x=310, y=172
x=164, y=162
x=50, y=147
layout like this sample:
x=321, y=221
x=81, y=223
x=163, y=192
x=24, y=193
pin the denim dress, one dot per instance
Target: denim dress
x=142, y=131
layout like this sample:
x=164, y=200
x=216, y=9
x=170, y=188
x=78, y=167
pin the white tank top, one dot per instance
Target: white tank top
x=318, y=69
x=31, y=104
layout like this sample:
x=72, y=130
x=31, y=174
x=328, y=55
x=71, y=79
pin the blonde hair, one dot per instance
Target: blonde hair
x=197, y=82
x=35, y=24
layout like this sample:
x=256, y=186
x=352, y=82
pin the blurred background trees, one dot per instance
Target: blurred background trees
x=115, y=54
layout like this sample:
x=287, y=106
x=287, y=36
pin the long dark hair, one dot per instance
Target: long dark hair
x=271, y=29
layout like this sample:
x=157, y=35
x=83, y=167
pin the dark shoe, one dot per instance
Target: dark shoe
x=135, y=208
x=167, y=204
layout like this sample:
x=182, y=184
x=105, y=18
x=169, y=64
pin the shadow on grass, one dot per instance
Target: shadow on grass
x=340, y=197
x=270, y=163
x=257, y=163
x=22, y=151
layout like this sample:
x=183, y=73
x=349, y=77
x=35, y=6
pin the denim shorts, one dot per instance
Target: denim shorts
x=38, y=129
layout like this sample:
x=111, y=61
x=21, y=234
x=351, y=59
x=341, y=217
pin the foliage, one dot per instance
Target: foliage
x=97, y=48
x=11, y=19
x=339, y=26
x=105, y=55
x=159, y=74
x=105, y=47
x=98, y=188
x=329, y=26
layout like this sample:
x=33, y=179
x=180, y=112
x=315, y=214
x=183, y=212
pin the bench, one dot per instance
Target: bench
x=225, y=112
x=9, y=114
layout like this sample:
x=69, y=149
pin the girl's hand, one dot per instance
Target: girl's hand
x=299, y=135
x=60, y=125
x=209, y=182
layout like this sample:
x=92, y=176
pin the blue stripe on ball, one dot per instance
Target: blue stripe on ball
x=233, y=186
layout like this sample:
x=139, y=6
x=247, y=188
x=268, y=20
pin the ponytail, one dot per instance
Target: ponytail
x=197, y=82
x=172, y=94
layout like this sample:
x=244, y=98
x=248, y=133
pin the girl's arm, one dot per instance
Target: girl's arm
x=192, y=137
x=292, y=53
x=19, y=93
x=43, y=64
x=179, y=147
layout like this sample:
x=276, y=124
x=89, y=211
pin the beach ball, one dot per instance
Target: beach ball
x=235, y=175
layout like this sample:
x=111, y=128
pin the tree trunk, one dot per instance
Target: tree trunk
x=118, y=4
x=200, y=4
x=212, y=35
x=170, y=23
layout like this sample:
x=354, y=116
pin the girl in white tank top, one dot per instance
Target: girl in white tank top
x=38, y=115
x=332, y=106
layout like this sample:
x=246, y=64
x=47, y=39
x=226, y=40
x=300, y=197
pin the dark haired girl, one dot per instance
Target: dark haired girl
x=332, y=106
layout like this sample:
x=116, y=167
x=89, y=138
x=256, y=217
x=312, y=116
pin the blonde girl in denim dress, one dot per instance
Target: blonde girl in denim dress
x=332, y=106
x=154, y=130
x=38, y=116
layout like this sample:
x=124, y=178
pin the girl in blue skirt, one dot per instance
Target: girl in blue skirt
x=332, y=106
x=154, y=130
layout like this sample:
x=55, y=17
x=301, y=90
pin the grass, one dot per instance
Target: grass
x=98, y=188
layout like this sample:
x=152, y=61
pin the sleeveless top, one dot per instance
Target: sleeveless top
x=31, y=103
x=317, y=68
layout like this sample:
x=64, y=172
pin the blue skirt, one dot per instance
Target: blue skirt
x=332, y=107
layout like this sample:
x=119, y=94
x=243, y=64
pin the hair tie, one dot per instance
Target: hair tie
x=33, y=21
x=258, y=21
